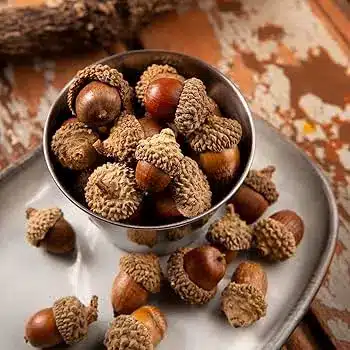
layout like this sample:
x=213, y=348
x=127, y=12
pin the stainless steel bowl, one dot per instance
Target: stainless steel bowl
x=162, y=239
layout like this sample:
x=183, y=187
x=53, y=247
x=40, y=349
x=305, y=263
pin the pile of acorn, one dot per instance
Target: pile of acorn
x=117, y=167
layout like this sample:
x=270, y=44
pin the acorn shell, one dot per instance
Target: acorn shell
x=190, y=189
x=216, y=135
x=144, y=269
x=231, y=232
x=125, y=332
x=242, y=304
x=104, y=74
x=148, y=76
x=273, y=240
x=123, y=139
x=193, y=108
x=162, y=151
x=73, y=318
x=72, y=145
x=40, y=222
x=181, y=283
x=260, y=181
x=111, y=191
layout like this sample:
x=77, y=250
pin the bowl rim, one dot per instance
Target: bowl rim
x=187, y=221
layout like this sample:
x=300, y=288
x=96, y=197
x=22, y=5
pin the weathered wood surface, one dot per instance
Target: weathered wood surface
x=290, y=58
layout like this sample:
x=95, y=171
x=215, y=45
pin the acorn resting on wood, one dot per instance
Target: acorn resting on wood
x=256, y=194
x=65, y=323
x=194, y=273
x=278, y=236
x=47, y=228
x=230, y=234
x=140, y=274
x=98, y=94
x=144, y=329
x=243, y=300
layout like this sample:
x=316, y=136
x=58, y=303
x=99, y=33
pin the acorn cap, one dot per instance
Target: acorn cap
x=123, y=139
x=147, y=238
x=190, y=189
x=104, y=74
x=260, y=181
x=73, y=318
x=143, y=269
x=112, y=192
x=72, y=145
x=181, y=283
x=148, y=76
x=274, y=240
x=176, y=234
x=216, y=135
x=230, y=232
x=162, y=151
x=40, y=222
x=193, y=107
x=242, y=304
x=126, y=332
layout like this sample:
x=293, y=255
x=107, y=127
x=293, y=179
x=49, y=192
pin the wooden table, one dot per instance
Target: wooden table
x=291, y=60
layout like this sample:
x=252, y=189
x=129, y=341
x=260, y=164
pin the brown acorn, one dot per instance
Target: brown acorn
x=165, y=207
x=140, y=275
x=98, y=94
x=230, y=234
x=143, y=329
x=243, y=300
x=215, y=143
x=150, y=126
x=256, y=194
x=195, y=273
x=47, y=228
x=159, y=160
x=278, y=236
x=65, y=323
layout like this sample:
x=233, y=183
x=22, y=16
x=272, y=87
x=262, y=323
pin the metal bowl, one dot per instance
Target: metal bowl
x=162, y=239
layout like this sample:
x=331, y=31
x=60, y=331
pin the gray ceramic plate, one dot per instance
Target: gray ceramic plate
x=32, y=279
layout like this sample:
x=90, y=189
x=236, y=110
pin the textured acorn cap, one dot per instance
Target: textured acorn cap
x=40, y=222
x=162, y=151
x=111, y=191
x=126, y=332
x=181, y=283
x=190, y=189
x=242, y=304
x=143, y=237
x=193, y=108
x=230, y=232
x=104, y=74
x=144, y=269
x=274, y=240
x=72, y=145
x=123, y=139
x=260, y=181
x=73, y=318
x=216, y=135
x=148, y=76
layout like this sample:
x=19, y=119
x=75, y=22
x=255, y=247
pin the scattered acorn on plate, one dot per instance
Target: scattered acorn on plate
x=66, y=322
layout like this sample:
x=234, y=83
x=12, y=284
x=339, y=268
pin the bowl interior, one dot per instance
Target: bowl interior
x=132, y=64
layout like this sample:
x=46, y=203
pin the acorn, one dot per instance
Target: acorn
x=256, y=194
x=48, y=229
x=140, y=275
x=148, y=238
x=143, y=329
x=278, y=236
x=65, y=323
x=72, y=145
x=243, y=300
x=150, y=126
x=98, y=94
x=230, y=234
x=112, y=192
x=215, y=143
x=194, y=273
x=123, y=139
x=176, y=234
x=159, y=160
